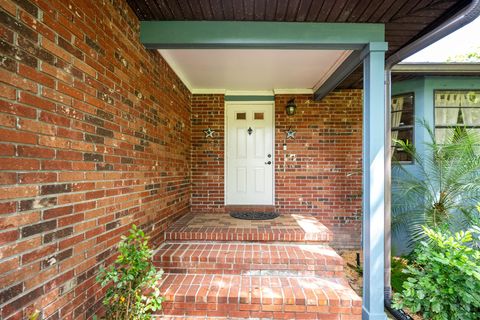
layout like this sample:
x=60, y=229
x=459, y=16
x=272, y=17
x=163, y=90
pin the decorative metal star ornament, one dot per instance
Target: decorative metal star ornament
x=290, y=133
x=209, y=133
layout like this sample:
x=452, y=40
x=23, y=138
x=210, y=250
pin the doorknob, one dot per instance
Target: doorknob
x=268, y=162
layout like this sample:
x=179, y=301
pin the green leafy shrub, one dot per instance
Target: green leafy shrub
x=134, y=292
x=443, y=187
x=398, y=264
x=444, y=280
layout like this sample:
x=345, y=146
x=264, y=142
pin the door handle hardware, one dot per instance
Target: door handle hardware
x=268, y=162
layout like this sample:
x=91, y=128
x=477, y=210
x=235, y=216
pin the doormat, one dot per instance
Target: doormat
x=253, y=215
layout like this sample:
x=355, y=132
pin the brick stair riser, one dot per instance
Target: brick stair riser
x=224, y=258
x=209, y=268
x=255, y=237
x=258, y=311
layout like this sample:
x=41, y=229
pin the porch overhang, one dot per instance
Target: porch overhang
x=357, y=38
x=367, y=43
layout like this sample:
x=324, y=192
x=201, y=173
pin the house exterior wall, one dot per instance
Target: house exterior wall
x=207, y=154
x=423, y=89
x=94, y=136
x=319, y=173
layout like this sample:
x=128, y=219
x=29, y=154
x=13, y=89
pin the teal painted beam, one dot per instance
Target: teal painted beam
x=262, y=35
x=250, y=98
x=373, y=182
x=347, y=67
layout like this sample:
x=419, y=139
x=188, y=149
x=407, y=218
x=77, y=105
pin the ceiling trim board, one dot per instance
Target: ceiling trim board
x=293, y=91
x=208, y=91
x=249, y=93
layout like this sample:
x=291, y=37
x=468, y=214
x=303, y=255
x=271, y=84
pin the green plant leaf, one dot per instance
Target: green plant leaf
x=440, y=284
x=443, y=190
x=133, y=276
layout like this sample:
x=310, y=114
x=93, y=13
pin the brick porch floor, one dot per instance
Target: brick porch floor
x=224, y=268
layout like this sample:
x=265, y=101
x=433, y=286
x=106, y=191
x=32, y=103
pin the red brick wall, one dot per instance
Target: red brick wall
x=94, y=135
x=208, y=186
x=320, y=173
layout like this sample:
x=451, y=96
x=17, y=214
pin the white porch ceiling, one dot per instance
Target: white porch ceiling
x=247, y=70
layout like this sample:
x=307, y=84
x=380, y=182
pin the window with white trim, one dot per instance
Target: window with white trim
x=403, y=115
x=456, y=108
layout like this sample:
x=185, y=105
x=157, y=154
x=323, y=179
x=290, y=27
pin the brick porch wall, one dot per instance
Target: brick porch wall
x=320, y=173
x=208, y=188
x=94, y=135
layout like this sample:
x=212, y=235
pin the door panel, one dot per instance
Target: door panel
x=241, y=140
x=241, y=180
x=249, y=175
x=259, y=180
x=259, y=142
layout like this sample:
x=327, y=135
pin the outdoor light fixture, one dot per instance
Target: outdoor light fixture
x=291, y=107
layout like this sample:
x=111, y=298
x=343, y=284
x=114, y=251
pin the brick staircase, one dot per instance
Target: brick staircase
x=217, y=267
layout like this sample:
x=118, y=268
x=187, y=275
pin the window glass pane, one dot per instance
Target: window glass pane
x=442, y=135
x=446, y=116
x=405, y=134
x=402, y=110
x=455, y=107
x=258, y=116
x=403, y=119
x=471, y=99
x=471, y=116
x=241, y=116
x=457, y=98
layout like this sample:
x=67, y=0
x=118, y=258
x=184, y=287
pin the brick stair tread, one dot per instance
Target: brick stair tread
x=236, y=258
x=170, y=317
x=252, y=296
x=221, y=227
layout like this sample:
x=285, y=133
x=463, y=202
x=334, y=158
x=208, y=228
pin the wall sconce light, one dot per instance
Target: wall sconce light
x=291, y=107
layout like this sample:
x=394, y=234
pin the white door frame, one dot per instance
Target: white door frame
x=225, y=150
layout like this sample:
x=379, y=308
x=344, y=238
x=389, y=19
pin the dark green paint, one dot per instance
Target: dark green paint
x=249, y=98
x=262, y=35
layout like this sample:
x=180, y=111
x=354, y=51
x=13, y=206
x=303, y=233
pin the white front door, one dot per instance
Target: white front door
x=249, y=154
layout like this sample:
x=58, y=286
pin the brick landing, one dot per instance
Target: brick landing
x=221, y=227
x=218, y=267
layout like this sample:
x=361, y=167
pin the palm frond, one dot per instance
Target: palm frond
x=442, y=188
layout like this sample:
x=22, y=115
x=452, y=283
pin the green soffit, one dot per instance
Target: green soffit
x=274, y=35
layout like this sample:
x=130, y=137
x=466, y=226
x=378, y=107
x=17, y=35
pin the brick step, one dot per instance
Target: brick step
x=249, y=258
x=241, y=296
x=167, y=317
x=222, y=227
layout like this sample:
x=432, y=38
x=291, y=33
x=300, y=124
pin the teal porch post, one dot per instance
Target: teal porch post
x=373, y=181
